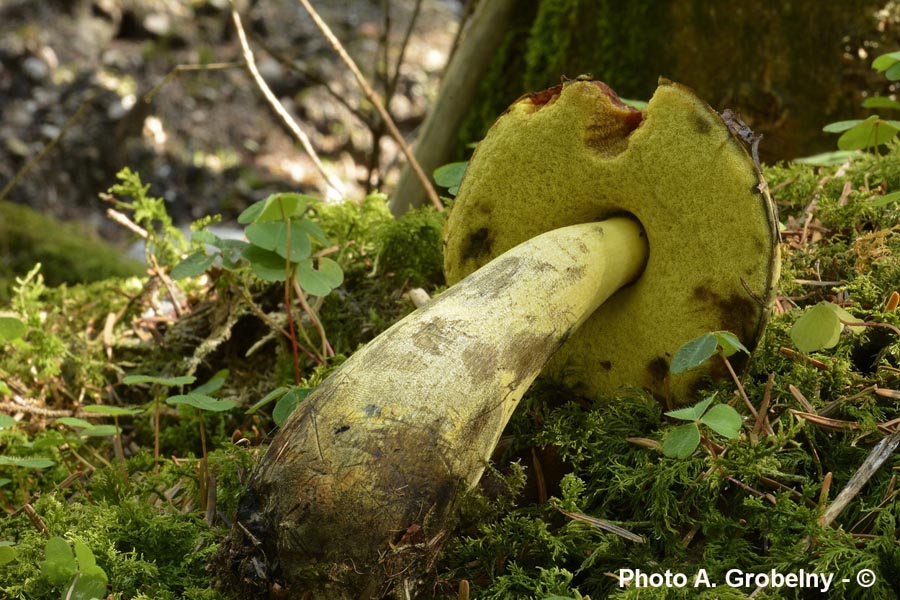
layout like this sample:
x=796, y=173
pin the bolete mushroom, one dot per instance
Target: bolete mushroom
x=553, y=221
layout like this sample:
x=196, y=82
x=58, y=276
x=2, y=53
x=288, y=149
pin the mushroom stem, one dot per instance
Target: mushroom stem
x=358, y=485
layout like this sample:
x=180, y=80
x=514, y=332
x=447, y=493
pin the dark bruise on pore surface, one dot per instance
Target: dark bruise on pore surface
x=658, y=368
x=478, y=244
x=734, y=310
x=701, y=124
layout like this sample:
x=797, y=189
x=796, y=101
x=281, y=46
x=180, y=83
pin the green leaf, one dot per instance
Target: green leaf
x=724, y=420
x=729, y=343
x=26, y=462
x=112, y=411
x=638, y=104
x=59, y=565
x=450, y=176
x=87, y=564
x=99, y=431
x=193, y=266
x=313, y=231
x=681, y=441
x=893, y=72
x=846, y=317
x=249, y=214
x=266, y=265
x=205, y=236
x=276, y=393
x=885, y=61
x=319, y=282
x=817, y=329
x=694, y=353
x=841, y=126
x=202, y=402
x=870, y=133
x=691, y=413
x=273, y=236
x=826, y=159
x=8, y=553
x=276, y=207
x=231, y=252
x=288, y=403
x=880, y=102
x=4, y=481
x=885, y=200
x=167, y=381
x=74, y=422
x=88, y=587
x=214, y=384
x=7, y=421
x=11, y=327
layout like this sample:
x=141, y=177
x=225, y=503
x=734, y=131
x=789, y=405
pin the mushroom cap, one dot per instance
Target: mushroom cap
x=574, y=154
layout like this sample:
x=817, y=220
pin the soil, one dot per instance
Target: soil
x=206, y=141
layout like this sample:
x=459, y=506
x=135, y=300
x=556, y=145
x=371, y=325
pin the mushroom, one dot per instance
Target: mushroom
x=586, y=234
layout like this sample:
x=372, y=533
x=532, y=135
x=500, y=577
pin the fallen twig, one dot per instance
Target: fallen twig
x=794, y=354
x=740, y=388
x=602, y=524
x=880, y=453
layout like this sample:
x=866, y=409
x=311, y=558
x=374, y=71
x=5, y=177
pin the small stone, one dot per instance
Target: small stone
x=35, y=68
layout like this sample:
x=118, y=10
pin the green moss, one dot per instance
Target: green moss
x=409, y=248
x=145, y=533
x=67, y=253
x=381, y=258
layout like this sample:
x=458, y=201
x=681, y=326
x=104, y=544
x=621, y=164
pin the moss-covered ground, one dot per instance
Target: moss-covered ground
x=530, y=529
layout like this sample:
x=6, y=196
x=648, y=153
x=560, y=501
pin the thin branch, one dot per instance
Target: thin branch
x=123, y=220
x=313, y=76
x=326, y=346
x=740, y=388
x=376, y=102
x=46, y=149
x=893, y=328
x=148, y=97
x=279, y=109
x=401, y=56
x=271, y=322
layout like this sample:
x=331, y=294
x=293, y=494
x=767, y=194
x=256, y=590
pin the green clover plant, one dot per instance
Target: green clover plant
x=157, y=384
x=864, y=134
x=681, y=441
x=281, y=246
x=201, y=399
x=77, y=573
x=450, y=176
x=820, y=327
x=288, y=398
